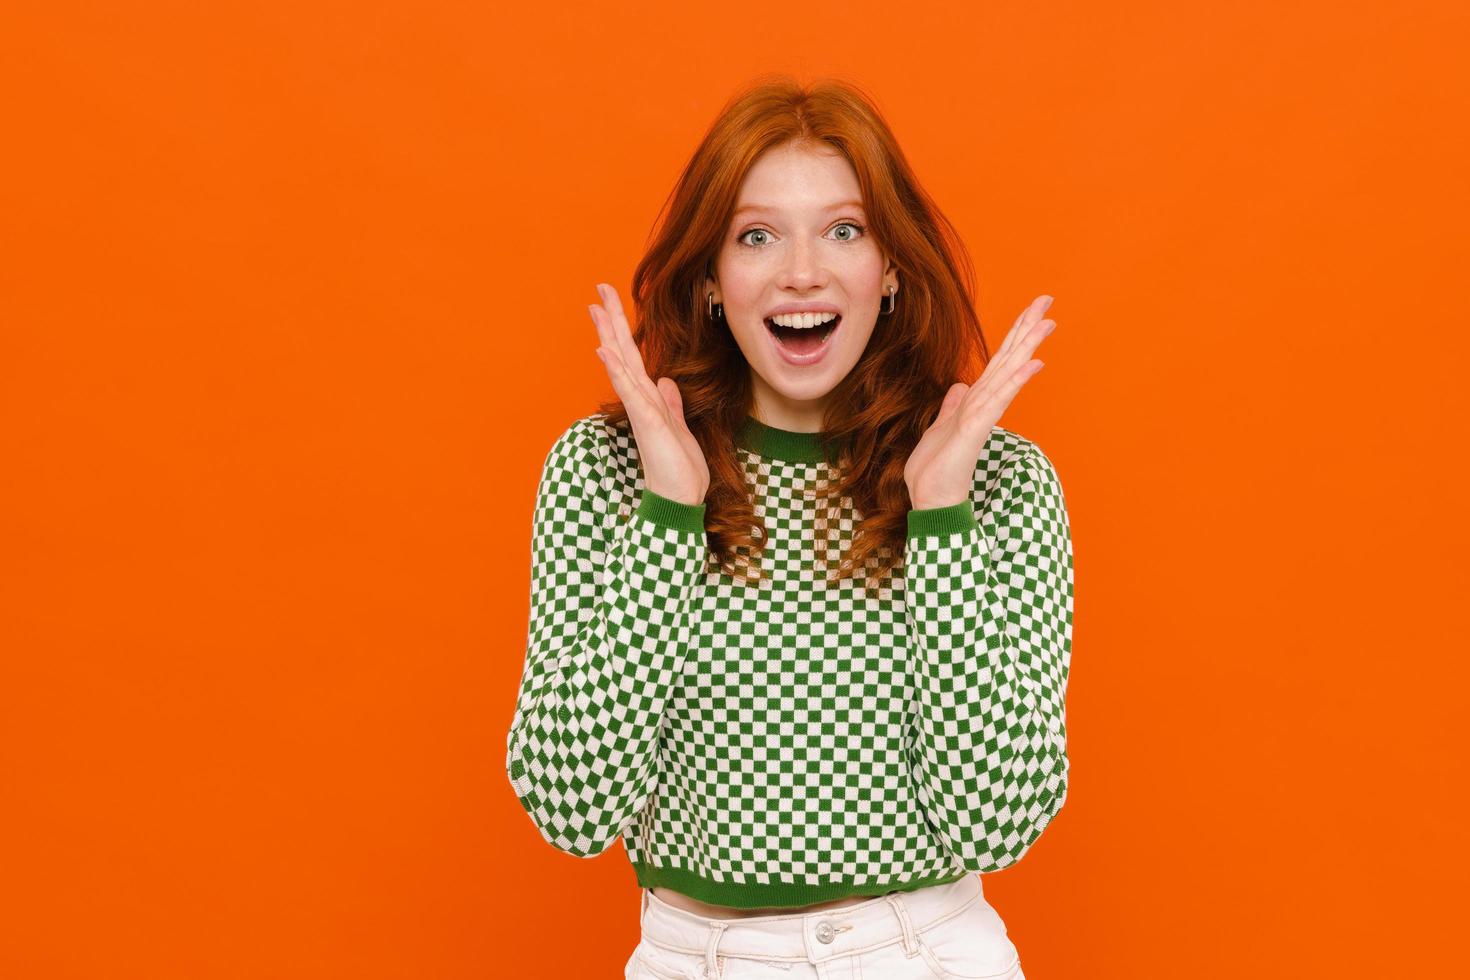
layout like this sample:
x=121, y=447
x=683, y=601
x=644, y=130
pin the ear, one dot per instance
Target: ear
x=711, y=285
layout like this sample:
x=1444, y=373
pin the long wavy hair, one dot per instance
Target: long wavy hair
x=879, y=411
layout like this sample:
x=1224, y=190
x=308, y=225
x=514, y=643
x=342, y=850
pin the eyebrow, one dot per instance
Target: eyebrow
x=831, y=207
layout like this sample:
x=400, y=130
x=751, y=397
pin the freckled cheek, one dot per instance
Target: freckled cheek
x=742, y=291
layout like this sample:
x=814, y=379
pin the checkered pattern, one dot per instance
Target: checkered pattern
x=606, y=644
x=990, y=616
x=745, y=739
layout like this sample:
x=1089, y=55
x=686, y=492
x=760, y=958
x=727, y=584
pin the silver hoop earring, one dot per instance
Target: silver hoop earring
x=711, y=304
x=891, y=302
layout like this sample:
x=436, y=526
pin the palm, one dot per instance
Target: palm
x=673, y=462
x=941, y=469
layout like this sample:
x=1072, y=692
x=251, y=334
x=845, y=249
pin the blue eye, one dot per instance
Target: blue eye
x=762, y=231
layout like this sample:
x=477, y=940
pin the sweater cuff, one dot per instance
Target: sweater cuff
x=671, y=513
x=954, y=519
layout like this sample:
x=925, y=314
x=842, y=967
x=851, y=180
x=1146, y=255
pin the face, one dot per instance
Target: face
x=799, y=238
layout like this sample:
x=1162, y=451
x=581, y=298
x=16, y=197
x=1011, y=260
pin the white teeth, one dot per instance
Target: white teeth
x=802, y=321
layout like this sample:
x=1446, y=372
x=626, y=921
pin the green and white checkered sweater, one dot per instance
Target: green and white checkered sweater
x=786, y=742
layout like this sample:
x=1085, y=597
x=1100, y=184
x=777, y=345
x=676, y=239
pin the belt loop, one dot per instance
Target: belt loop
x=910, y=946
x=711, y=965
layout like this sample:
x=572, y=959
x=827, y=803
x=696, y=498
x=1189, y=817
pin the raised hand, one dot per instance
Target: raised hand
x=940, y=472
x=673, y=463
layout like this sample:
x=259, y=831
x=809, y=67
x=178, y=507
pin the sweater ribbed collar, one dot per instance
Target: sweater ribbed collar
x=784, y=444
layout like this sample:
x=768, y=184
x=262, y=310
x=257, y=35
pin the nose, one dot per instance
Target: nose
x=803, y=267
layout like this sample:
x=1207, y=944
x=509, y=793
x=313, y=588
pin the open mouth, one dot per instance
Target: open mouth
x=801, y=340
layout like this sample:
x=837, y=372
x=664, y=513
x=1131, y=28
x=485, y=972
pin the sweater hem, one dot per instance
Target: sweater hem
x=779, y=894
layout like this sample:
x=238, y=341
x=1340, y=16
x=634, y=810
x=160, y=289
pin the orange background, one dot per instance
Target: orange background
x=294, y=304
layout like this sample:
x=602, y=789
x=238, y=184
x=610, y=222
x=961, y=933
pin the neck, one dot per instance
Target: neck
x=780, y=412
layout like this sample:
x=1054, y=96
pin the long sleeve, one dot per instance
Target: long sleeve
x=606, y=642
x=990, y=623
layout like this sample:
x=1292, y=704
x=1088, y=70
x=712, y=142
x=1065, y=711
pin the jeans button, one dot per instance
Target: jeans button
x=824, y=932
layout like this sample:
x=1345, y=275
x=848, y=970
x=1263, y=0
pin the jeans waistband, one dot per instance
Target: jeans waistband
x=809, y=937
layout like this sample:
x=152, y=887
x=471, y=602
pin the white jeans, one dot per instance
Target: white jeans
x=940, y=931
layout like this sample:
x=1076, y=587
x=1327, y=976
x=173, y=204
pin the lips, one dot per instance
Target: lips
x=803, y=308
x=803, y=346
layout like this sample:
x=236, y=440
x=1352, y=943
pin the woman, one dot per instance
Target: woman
x=809, y=740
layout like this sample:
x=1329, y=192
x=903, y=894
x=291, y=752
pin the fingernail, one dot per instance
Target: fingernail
x=1046, y=304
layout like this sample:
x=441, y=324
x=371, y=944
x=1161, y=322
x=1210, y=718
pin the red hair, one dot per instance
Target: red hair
x=879, y=411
